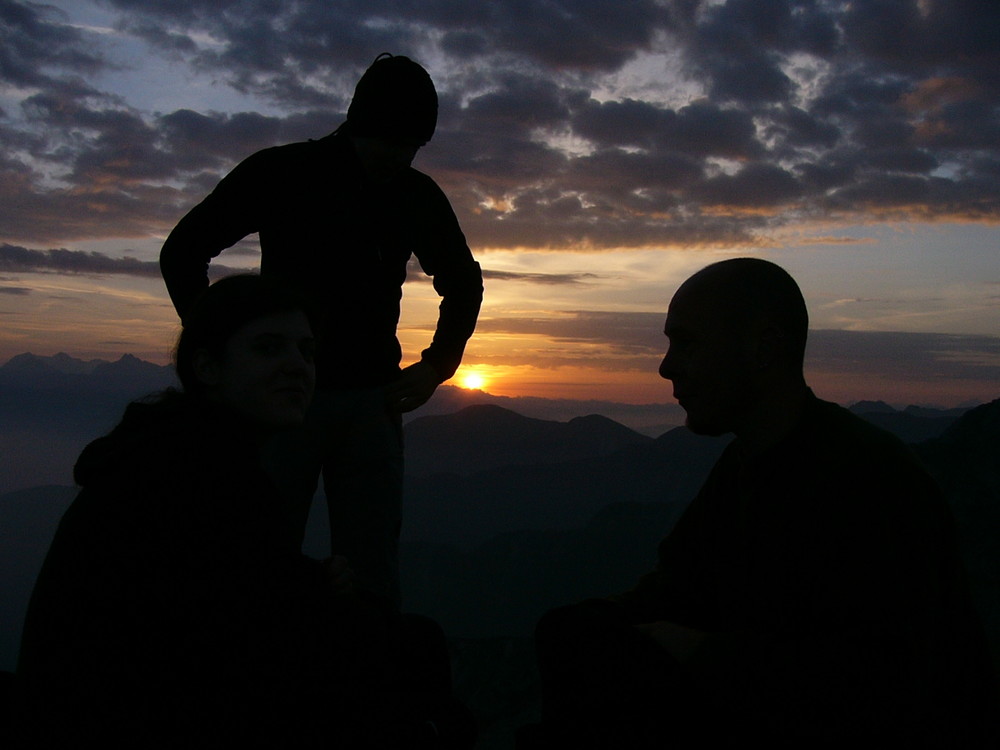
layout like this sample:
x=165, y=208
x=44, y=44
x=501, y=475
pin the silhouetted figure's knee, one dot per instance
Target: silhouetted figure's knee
x=425, y=663
x=605, y=683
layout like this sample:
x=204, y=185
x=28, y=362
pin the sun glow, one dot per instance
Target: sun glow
x=473, y=381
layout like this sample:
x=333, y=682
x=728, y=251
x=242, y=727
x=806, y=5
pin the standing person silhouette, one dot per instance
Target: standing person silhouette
x=340, y=217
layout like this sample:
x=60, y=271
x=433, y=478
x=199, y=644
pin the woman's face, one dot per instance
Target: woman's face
x=266, y=373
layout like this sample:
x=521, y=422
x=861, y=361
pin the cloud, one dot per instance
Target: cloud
x=35, y=38
x=743, y=115
x=16, y=259
x=900, y=355
x=634, y=333
x=15, y=291
x=755, y=185
x=550, y=279
x=259, y=43
x=635, y=341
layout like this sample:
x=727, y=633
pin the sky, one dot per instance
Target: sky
x=596, y=152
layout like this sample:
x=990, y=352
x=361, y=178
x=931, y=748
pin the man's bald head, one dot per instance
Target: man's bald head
x=754, y=294
x=737, y=333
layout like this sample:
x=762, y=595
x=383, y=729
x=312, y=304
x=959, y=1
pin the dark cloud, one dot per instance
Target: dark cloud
x=545, y=279
x=31, y=212
x=781, y=26
x=15, y=291
x=548, y=279
x=796, y=129
x=941, y=34
x=895, y=354
x=16, y=259
x=261, y=37
x=34, y=39
x=699, y=129
x=521, y=104
x=806, y=107
x=631, y=332
x=637, y=339
x=756, y=185
x=741, y=46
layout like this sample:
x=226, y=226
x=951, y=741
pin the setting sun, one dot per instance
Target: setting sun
x=473, y=381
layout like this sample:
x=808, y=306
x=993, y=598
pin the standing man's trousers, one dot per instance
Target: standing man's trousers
x=357, y=444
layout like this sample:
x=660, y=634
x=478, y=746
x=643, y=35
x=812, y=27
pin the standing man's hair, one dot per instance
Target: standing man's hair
x=395, y=98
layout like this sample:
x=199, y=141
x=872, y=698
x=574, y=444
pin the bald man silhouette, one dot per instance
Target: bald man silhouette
x=811, y=595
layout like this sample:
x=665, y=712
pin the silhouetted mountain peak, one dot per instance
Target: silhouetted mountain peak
x=978, y=427
x=26, y=362
x=929, y=412
x=597, y=421
x=128, y=366
x=872, y=407
x=484, y=414
x=60, y=363
x=486, y=436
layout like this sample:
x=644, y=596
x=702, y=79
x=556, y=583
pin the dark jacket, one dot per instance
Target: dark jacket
x=169, y=609
x=347, y=243
x=828, y=575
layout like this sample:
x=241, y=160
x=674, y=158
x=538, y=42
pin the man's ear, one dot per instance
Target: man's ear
x=206, y=368
x=770, y=346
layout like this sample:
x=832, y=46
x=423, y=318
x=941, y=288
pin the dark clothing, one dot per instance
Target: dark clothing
x=827, y=575
x=346, y=242
x=171, y=610
x=325, y=228
x=358, y=444
x=606, y=685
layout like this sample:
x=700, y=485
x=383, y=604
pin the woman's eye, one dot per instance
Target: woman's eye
x=268, y=348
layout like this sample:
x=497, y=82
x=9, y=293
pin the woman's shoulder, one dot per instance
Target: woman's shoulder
x=162, y=435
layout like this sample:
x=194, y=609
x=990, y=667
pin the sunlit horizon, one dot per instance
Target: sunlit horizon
x=593, y=166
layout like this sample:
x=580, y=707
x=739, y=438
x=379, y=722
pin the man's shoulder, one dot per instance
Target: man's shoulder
x=414, y=180
x=840, y=450
x=831, y=427
x=279, y=174
x=301, y=154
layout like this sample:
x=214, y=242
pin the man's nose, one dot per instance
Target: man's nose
x=666, y=367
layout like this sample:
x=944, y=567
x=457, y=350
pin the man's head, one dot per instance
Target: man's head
x=737, y=333
x=395, y=100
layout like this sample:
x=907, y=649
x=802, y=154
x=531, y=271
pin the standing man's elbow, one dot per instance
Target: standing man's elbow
x=184, y=272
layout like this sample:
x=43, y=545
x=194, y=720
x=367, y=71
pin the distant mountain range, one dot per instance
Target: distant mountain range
x=488, y=437
x=52, y=406
x=914, y=424
x=506, y=514
x=127, y=375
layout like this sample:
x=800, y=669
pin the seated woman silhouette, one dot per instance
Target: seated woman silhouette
x=173, y=609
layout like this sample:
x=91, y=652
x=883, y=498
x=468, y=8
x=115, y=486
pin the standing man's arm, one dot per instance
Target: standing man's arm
x=458, y=279
x=461, y=290
x=225, y=217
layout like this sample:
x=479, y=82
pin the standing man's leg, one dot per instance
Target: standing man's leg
x=293, y=460
x=363, y=482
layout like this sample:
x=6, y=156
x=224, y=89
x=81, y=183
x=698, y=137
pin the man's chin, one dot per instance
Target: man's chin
x=708, y=428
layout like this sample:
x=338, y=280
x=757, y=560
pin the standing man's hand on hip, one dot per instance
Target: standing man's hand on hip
x=413, y=388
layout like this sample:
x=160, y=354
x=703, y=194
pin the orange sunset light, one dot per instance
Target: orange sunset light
x=473, y=378
x=473, y=381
